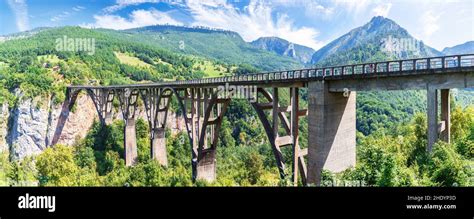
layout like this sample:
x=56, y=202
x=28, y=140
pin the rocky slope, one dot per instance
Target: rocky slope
x=284, y=48
x=4, y=115
x=32, y=125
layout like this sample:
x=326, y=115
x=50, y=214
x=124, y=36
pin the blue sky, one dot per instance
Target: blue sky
x=313, y=23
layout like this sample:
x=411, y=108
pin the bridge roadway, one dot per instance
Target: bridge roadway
x=331, y=109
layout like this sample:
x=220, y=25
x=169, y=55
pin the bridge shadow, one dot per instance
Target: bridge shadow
x=65, y=110
x=334, y=132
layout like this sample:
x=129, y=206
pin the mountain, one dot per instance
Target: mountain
x=379, y=39
x=222, y=45
x=24, y=34
x=465, y=48
x=284, y=48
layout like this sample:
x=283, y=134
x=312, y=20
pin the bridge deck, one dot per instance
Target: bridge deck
x=398, y=68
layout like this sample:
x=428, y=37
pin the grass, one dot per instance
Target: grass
x=158, y=60
x=210, y=69
x=130, y=60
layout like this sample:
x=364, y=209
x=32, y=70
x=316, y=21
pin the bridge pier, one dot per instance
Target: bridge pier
x=445, y=116
x=432, y=117
x=108, y=118
x=158, y=146
x=204, y=111
x=128, y=103
x=206, y=165
x=331, y=130
x=157, y=102
x=437, y=130
x=130, y=142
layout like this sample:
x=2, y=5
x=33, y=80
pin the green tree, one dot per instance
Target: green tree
x=57, y=167
x=447, y=168
x=5, y=168
x=254, y=165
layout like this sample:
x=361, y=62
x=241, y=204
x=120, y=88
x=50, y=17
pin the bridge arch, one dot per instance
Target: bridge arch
x=197, y=121
x=203, y=111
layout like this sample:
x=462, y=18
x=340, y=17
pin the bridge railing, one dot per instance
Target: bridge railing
x=410, y=65
x=398, y=66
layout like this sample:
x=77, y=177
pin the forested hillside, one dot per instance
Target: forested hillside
x=224, y=46
x=33, y=63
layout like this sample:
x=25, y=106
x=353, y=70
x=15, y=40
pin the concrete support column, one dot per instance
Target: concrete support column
x=158, y=146
x=206, y=166
x=445, y=116
x=432, y=115
x=130, y=144
x=108, y=118
x=332, y=131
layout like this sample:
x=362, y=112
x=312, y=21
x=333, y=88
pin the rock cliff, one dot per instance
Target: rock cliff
x=31, y=127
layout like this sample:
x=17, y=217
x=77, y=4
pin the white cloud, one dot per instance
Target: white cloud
x=319, y=10
x=60, y=17
x=67, y=14
x=312, y=8
x=354, y=7
x=20, y=9
x=120, y=4
x=429, y=23
x=137, y=18
x=382, y=10
x=78, y=8
x=252, y=22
